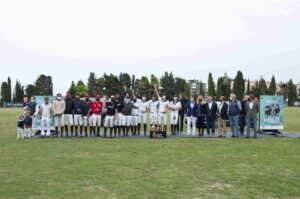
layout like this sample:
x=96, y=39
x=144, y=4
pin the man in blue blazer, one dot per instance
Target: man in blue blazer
x=191, y=114
x=211, y=115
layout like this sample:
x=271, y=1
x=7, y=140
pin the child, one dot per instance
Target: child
x=25, y=105
x=28, y=125
x=20, y=127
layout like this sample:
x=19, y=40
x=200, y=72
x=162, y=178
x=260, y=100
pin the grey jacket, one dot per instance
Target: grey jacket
x=252, y=113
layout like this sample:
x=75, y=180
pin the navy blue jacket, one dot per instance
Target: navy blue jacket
x=211, y=113
x=191, y=111
x=78, y=107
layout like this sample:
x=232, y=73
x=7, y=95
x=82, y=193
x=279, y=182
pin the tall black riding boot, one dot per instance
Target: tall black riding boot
x=172, y=129
x=110, y=131
x=67, y=130
x=94, y=131
x=56, y=130
x=139, y=129
x=119, y=131
x=124, y=130
x=98, y=131
x=76, y=131
x=85, y=131
x=72, y=130
x=127, y=131
x=81, y=129
x=145, y=129
x=105, y=130
x=61, y=131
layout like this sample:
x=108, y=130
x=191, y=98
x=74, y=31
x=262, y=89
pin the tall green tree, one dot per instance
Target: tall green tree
x=272, y=88
x=220, y=87
x=125, y=79
x=262, y=86
x=167, y=82
x=211, y=86
x=133, y=82
x=19, y=92
x=30, y=90
x=72, y=89
x=248, y=91
x=4, y=92
x=9, y=97
x=81, y=88
x=239, y=85
x=43, y=85
x=92, y=84
x=144, y=87
x=112, y=85
x=292, y=93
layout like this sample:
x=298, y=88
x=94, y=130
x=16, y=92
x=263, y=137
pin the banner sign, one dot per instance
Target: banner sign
x=271, y=112
x=36, y=121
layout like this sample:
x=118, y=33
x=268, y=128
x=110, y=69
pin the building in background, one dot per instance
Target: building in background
x=195, y=87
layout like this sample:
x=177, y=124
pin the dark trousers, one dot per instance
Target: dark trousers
x=242, y=123
x=200, y=124
x=180, y=123
x=210, y=124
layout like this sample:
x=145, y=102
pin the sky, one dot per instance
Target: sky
x=68, y=39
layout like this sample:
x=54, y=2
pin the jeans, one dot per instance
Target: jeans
x=249, y=122
x=234, y=125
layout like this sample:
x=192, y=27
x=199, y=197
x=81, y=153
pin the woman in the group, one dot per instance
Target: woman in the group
x=201, y=114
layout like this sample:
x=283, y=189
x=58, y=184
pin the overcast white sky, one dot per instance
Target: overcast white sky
x=69, y=38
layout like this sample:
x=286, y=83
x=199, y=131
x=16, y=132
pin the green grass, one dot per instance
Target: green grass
x=143, y=168
x=291, y=121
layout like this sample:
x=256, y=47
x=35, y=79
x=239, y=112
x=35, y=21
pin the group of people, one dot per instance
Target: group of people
x=75, y=117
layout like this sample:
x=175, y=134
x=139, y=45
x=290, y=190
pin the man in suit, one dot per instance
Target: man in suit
x=251, y=117
x=211, y=114
x=181, y=112
x=243, y=114
x=191, y=114
x=222, y=117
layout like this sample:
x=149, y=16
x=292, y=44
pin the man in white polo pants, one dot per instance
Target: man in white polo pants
x=143, y=108
x=118, y=120
x=134, y=116
x=59, y=107
x=163, y=109
x=153, y=109
x=45, y=111
x=68, y=119
x=175, y=107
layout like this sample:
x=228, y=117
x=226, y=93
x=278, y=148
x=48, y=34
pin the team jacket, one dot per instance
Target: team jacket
x=78, y=106
x=69, y=106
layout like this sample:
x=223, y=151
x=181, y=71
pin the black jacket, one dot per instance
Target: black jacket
x=211, y=113
x=111, y=108
x=243, y=104
x=69, y=106
x=224, y=111
x=78, y=106
x=31, y=107
x=86, y=108
x=127, y=108
x=119, y=106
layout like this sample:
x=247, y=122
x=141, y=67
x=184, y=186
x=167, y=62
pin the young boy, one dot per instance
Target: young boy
x=28, y=125
x=20, y=127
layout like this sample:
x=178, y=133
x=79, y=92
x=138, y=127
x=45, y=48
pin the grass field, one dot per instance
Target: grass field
x=143, y=168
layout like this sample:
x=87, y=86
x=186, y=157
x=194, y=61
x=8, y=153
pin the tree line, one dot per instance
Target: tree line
x=111, y=84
